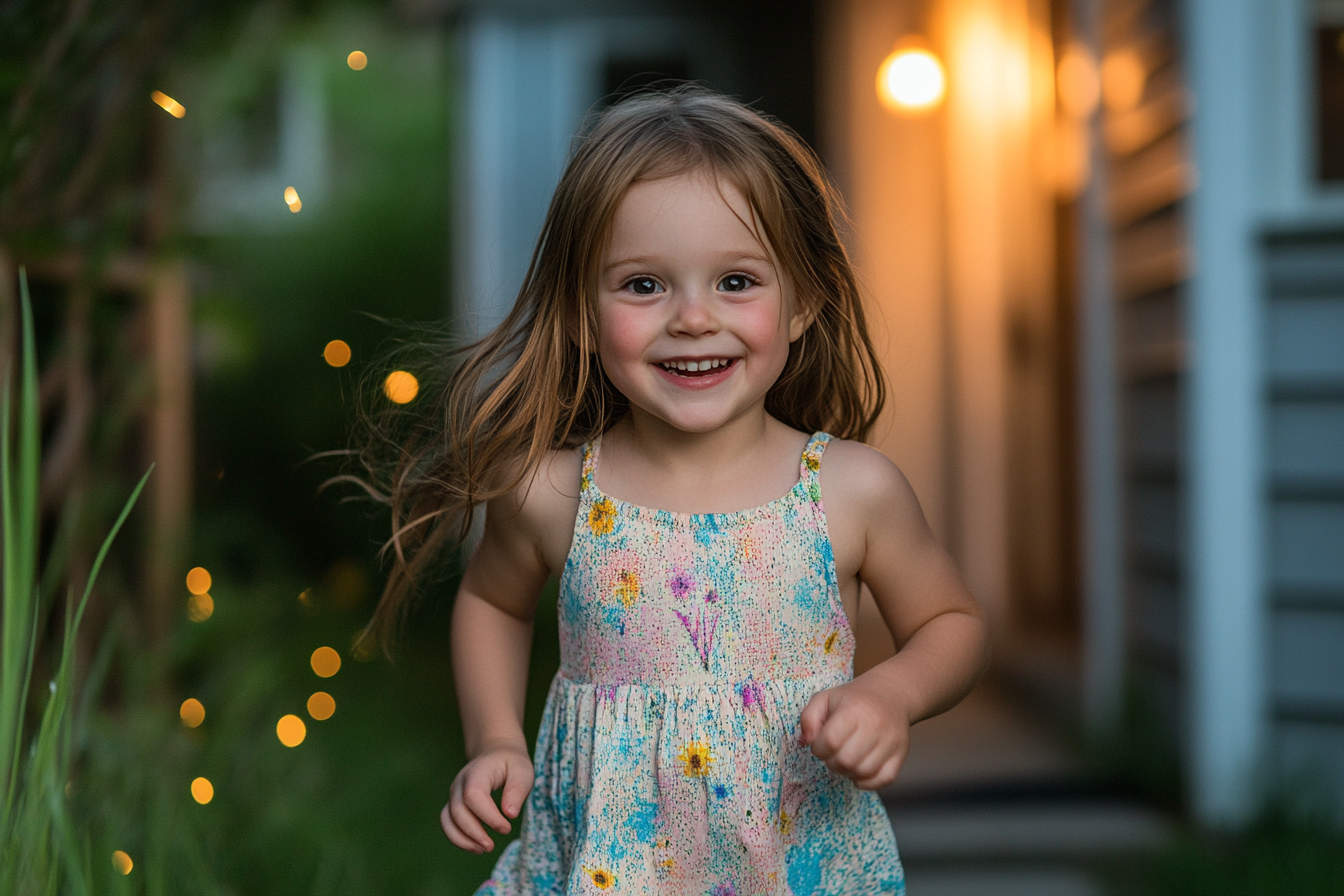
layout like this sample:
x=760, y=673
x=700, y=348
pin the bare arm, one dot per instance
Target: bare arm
x=491, y=641
x=861, y=729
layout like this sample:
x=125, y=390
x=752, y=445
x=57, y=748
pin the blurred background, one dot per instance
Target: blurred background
x=1103, y=242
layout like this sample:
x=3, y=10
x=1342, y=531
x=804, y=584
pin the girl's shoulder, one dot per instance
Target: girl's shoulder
x=542, y=506
x=858, y=479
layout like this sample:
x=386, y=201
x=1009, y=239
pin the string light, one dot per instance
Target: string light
x=401, y=386
x=192, y=712
x=202, y=791
x=911, y=81
x=200, y=607
x=168, y=104
x=291, y=730
x=122, y=862
x=321, y=706
x=292, y=200
x=337, y=353
x=198, y=580
x=326, y=662
x=357, y=60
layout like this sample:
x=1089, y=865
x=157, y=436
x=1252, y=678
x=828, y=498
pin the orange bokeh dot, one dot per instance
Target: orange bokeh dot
x=200, y=607
x=321, y=705
x=326, y=662
x=291, y=730
x=198, y=580
x=192, y=712
x=122, y=862
x=202, y=791
x=401, y=386
x=357, y=60
x=337, y=353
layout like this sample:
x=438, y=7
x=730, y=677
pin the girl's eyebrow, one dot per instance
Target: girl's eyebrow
x=727, y=260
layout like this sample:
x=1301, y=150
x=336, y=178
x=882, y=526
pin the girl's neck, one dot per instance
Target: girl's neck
x=745, y=463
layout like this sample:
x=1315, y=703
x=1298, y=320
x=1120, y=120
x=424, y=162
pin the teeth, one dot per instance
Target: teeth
x=696, y=366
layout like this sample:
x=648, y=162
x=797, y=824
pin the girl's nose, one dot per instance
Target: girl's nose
x=692, y=314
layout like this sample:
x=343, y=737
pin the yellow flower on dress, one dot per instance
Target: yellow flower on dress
x=813, y=460
x=602, y=517
x=601, y=877
x=698, y=758
x=830, y=641
x=627, y=586
x=785, y=822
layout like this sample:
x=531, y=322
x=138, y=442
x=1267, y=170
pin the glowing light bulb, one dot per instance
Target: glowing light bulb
x=401, y=386
x=911, y=81
x=326, y=662
x=168, y=104
x=337, y=353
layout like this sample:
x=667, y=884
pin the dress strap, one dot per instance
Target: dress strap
x=591, y=449
x=809, y=469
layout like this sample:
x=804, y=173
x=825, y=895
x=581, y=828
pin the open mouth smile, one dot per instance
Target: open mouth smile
x=698, y=372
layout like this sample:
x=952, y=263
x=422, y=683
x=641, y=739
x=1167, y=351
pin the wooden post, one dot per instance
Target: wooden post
x=169, y=443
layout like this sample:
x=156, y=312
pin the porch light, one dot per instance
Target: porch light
x=910, y=81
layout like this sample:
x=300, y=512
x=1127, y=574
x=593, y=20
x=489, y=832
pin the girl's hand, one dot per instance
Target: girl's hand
x=471, y=804
x=857, y=733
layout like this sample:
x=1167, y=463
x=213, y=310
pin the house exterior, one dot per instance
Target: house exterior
x=1108, y=274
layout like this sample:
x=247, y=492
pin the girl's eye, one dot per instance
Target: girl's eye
x=643, y=286
x=735, y=283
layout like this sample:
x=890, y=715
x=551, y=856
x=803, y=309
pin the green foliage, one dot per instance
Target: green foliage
x=42, y=846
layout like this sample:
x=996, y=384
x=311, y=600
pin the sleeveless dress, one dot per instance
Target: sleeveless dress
x=668, y=759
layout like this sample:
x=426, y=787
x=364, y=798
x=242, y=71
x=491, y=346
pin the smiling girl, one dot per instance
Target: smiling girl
x=664, y=422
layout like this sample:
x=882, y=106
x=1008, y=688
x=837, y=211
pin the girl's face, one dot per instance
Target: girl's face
x=694, y=316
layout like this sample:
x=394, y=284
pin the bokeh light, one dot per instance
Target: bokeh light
x=357, y=60
x=911, y=81
x=292, y=200
x=200, y=607
x=122, y=862
x=321, y=706
x=337, y=353
x=198, y=580
x=1123, y=79
x=326, y=662
x=1077, y=82
x=401, y=386
x=291, y=730
x=168, y=104
x=192, y=712
x=202, y=791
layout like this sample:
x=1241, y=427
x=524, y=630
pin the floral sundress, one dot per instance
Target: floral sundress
x=668, y=759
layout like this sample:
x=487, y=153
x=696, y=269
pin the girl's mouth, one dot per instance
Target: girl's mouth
x=705, y=372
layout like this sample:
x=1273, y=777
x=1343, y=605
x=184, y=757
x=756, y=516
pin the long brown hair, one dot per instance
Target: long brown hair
x=535, y=384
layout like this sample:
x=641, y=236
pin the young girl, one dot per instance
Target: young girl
x=649, y=424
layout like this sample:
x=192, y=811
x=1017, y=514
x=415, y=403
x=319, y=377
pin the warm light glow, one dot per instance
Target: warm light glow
x=292, y=200
x=911, y=80
x=306, y=598
x=291, y=730
x=321, y=705
x=326, y=662
x=200, y=607
x=337, y=353
x=1077, y=81
x=122, y=862
x=192, y=712
x=1073, y=167
x=1123, y=78
x=198, y=580
x=168, y=104
x=357, y=60
x=401, y=386
x=202, y=791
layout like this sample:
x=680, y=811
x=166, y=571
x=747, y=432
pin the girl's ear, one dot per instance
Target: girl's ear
x=801, y=320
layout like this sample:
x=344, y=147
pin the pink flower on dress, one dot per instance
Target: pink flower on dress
x=723, y=890
x=751, y=694
x=682, y=584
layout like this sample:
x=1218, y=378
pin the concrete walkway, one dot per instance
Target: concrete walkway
x=990, y=803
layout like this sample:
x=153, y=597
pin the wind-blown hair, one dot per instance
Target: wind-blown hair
x=535, y=384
